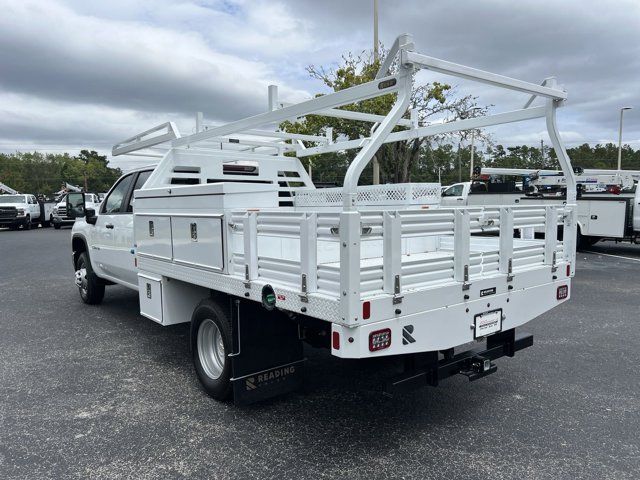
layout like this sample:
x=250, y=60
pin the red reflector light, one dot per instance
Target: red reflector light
x=366, y=310
x=335, y=337
x=380, y=339
x=568, y=270
x=563, y=292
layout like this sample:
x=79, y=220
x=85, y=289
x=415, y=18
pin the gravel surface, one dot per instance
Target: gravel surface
x=101, y=392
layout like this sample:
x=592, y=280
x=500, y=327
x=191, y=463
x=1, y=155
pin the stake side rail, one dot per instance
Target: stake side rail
x=399, y=253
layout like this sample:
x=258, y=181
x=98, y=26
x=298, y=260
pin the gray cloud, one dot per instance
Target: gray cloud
x=79, y=72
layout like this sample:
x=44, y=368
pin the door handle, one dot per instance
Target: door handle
x=109, y=225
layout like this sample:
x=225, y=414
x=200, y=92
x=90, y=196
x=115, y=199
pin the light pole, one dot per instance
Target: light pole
x=620, y=138
x=376, y=165
x=473, y=141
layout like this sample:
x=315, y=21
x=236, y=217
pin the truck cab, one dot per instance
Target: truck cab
x=110, y=231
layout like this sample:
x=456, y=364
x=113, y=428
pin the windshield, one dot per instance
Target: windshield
x=12, y=199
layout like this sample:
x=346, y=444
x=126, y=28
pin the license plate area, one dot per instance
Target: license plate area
x=487, y=323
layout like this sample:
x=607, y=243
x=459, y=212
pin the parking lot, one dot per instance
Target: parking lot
x=90, y=392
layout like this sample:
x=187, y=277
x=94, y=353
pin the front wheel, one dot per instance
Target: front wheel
x=211, y=343
x=90, y=288
x=27, y=223
x=57, y=226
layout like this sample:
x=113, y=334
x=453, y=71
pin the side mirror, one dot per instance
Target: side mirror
x=75, y=205
x=91, y=216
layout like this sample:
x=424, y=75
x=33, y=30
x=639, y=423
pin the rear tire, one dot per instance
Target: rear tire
x=211, y=343
x=89, y=285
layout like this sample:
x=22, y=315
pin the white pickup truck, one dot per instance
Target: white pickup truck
x=478, y=193
x=23, y=210
x=228, y=233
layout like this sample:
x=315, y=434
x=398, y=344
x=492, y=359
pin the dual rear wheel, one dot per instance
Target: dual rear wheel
x=211, y=343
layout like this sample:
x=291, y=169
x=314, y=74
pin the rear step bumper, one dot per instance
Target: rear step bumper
x=428, y=369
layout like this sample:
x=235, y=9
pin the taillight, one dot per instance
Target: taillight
x=563, y=292
x=380, y=339
x=335, y=340
x=366, y=310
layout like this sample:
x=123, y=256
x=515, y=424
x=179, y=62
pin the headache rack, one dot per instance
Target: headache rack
x=329, y=250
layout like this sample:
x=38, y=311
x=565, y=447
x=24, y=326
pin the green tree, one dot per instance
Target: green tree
x=35, y=172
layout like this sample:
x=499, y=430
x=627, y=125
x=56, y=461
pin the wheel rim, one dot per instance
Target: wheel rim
x=81, y=278
x=211, y=350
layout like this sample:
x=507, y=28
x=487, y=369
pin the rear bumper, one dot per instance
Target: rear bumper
x=440, y=329
x=429, y=369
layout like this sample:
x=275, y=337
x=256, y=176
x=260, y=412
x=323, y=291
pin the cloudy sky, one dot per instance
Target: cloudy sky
x=85, y=74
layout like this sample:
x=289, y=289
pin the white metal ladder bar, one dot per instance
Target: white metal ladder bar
x=342, y=97
x=431, y=130
x=449, y=68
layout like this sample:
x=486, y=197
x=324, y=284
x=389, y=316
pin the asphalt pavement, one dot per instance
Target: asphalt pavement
x=101, y=392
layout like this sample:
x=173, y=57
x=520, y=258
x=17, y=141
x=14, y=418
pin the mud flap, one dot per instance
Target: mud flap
x=268, y=357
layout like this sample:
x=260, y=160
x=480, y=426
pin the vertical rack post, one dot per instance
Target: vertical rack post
x=391, y=252
x=308, y=255
x=461, y=246
x=250, y=232
x=550, y=236
x=506, y=242
x=350, y=266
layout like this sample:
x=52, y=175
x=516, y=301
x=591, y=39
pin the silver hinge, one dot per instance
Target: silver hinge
x=554, y=267
x=465, y=284
x=510, y=270
x=194, y=232
x=303, y=286
x=247, y=283
x=397, y=298
x=151, y=228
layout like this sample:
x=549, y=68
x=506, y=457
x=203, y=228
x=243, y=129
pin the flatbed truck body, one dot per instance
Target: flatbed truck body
x=228, y=232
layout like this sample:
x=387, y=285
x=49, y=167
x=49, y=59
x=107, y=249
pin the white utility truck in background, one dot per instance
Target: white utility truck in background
x=608, y=200
x=228, y=233
x=23, y=210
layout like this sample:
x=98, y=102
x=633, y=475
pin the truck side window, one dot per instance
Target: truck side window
x=454, y=191
x=114, y=200
x=140, y=181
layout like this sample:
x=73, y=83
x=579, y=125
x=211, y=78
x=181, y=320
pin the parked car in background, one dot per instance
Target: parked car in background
x=59, y=215
x=23, y=210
